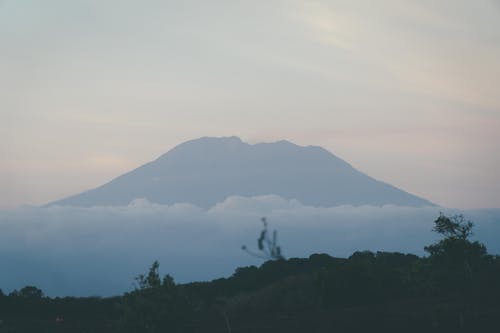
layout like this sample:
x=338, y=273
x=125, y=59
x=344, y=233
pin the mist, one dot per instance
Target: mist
x=99, y=250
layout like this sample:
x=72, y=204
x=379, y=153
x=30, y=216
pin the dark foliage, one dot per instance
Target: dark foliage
x=268, y=247
x=157, y=304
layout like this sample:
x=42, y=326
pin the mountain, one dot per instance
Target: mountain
x=206, y=171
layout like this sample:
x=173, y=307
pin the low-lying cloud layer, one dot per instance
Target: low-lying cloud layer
x=99, y=250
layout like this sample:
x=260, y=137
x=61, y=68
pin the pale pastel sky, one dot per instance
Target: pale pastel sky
x=406, y=91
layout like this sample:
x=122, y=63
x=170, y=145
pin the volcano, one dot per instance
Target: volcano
x=206, y=171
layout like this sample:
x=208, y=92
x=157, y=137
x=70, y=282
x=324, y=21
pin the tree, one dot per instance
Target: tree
x=457, y=263
x=152, y=279
x=453, y=227
x=28, y=292
x=267, y=246
x=455, y=250
x=157, y=305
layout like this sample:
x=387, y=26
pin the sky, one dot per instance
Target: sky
x=405, y=91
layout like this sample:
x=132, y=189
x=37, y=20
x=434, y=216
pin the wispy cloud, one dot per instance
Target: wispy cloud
x=430, y=49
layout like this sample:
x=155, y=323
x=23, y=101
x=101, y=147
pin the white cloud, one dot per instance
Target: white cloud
x=98, y=250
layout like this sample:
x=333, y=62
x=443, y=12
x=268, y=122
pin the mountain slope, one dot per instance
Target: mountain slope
x=208, y=170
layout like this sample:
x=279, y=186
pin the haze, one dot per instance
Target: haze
x=60, y=248
x=405, y=91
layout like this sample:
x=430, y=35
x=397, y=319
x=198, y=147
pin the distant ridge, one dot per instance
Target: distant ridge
x=207, y=170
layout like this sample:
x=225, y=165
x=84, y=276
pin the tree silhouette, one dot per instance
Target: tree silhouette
x=268, y=247
x=28, y=292
x=455, y=249
x=456, y=226
x=457, y=262
x=152, y=279
x=155, y=305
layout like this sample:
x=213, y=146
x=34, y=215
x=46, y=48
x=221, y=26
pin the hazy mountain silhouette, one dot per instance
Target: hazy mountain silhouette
x=206, y=171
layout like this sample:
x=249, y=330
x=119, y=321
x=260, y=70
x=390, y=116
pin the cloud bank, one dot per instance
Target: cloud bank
x=99, y=250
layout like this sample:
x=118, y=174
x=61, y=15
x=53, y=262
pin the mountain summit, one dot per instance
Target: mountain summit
x=206, y=171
